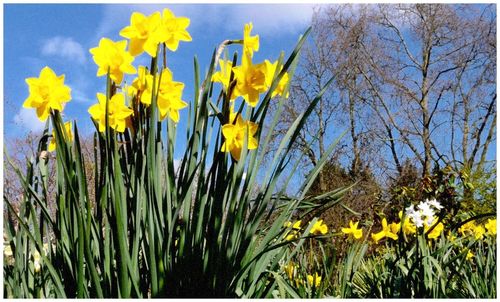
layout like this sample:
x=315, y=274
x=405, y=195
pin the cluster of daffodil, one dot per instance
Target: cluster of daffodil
x=248, y=81
x=424, y=217
x=471, y=231
x=318, y=228
x=48, y=92
x=479, y=231
x=146, y=34
x=292, y=271
x=388, y=230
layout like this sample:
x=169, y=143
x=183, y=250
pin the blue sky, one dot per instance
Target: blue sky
x=59, y=36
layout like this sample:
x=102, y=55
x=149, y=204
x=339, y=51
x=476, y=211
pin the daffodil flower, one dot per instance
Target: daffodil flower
x=295, y=230
x=141, y=33
x=282, y=84
x=353, y=229
x=36, y=262
x=470, y=255
x=117, y=112
x=491, y=226
x=224, y=74
x=143, y=85
x=47, y=92
x=319, y=228
x=479, y=232
x=69, y=136
x=436, y=231
x=250, y=43
x=113, y=56
x=7, y=251
x=314, y=280
x=408, y=227
x=172, y=30
x=169, y=96
x=251, y=80
x=235, y=135
x=386, y=232
x=467, y=228
x=290, y=270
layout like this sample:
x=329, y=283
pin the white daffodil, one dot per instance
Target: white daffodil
x=434, y=203
x=425, y=209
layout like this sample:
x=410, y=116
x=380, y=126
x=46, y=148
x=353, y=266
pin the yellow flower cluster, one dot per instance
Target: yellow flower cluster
x=145, y=34
x=318, y=228
x=251, y=80
x=479, y=231
x=118, y=112
x=291, y=270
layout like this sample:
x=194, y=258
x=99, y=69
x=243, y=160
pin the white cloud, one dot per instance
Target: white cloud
x=27, y=119
x=268, y=19
x=64, y=47
x=273, y=18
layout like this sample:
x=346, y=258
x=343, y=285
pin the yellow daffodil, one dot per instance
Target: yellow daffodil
x=140, y=83
x=386, y=232
x=436, y=232
x=295, y=230
x=224, y=74
x=314, y=280
x=451, y=237
x=7, y=251
x=295, y=225
x=117, y=112
x=408, y=227
x=467, y=228
x=69, y=136
x=479, y=232
x=232, y=114
x=47, y=92
x=169, y=96
x=141, y=33
x=353, y=229
x=36, y=262
x=235, y=135
x=251, y=80
x=491, y=226
x=113, y=56
x=319, y=228
x=130, y=91
x=290, y=270
x=469, y=256
x=250, y=43
x=395, y=227
x=270, y=73
x=173, y=30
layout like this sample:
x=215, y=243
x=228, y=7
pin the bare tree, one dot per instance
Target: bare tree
x=413, y=82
